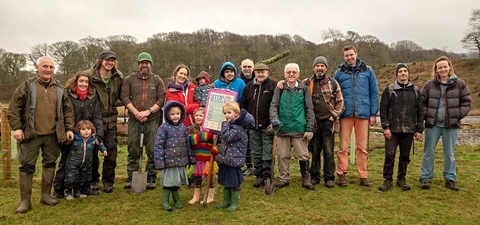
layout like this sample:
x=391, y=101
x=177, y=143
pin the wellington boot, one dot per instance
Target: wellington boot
x=165, y=200
x=227, y=199
x=176, y=200
x=196, y=196
x=304, y=170
x=235, y=201
x=25, y=183
x=47, y=180
x=211, y=196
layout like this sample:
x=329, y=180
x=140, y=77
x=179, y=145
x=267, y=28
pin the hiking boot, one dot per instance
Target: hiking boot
x=68, y=195
x=90, y=191
x=329, y=184
x=342, y=181
x=248, y=172
x=451, y=185
x=94, y=186
x=259, y=181
x=128, y=185
x=107, y=188
x=385, y=186
x=365, y=182
x=403, y=185
x=425, y=184
x=58, y=195
x=151, y=185
x=314, y=181
x=281, y=184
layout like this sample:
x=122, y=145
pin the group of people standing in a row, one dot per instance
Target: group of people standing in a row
x=81, y=119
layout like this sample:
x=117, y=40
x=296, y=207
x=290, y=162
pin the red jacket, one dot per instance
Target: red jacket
x=186, y=98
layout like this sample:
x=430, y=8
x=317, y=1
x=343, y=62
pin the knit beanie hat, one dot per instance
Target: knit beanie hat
x=144, y=56
x=205, y=75
x=320, y=59
x=399, y=66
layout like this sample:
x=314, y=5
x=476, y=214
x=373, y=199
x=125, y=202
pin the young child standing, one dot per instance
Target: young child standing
x=203, y=87
x=202, y=147
x=172, y=153
x=232, y=153
x=79, y=161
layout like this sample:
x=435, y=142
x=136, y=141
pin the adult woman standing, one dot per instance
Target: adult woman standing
x=79, y=103
x=446, y=100
x=182, y=90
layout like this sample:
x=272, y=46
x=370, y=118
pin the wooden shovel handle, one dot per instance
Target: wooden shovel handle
x=210, y=171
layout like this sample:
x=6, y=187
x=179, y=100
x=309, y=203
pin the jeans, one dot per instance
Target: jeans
x=323, y=140
x=449, y=140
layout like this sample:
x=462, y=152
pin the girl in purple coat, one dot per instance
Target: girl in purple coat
x=232, y=153
x=172, y=153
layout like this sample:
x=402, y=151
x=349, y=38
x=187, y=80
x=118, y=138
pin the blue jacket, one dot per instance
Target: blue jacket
x=236, y=84
x=359, y=88
x=234, y=136
x=172, y=143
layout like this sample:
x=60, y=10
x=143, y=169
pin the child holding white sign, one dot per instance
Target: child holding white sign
x=202, y=147
x=232, y=153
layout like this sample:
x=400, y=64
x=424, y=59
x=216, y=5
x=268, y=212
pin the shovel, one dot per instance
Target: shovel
x=269, y=183
x=139, y=179
x=210, y=171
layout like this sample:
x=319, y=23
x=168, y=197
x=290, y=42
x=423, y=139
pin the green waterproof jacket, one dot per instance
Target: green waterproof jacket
x=108, y=95
x=294, y=108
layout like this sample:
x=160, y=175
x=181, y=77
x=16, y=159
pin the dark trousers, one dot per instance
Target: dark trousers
x=58, y=182
x=404, y=140
x=323, y=140
x=110, y=161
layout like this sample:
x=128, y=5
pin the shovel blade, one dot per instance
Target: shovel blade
x=269, y=187
x=139, y=182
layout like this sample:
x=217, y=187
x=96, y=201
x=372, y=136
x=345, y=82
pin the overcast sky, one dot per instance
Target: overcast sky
x=429, y=23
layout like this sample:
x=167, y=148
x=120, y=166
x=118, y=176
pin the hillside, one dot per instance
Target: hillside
x=467, y=70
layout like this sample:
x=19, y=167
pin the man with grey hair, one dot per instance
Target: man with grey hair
x=291, y=113
x=38, y=129
x=247, y=75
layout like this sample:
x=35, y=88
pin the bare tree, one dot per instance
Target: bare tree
x=37, y=51
x=471, y=40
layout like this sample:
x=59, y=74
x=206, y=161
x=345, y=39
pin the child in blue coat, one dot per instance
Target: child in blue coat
x=172, y=153
x=79, y=161
x=232, y=153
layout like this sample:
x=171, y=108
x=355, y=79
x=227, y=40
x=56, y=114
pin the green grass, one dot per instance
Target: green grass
x=291, y=205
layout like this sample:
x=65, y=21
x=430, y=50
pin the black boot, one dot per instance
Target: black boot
x=304, y=170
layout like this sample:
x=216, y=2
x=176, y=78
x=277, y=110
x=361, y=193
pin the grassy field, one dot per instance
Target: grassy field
x=291, y=205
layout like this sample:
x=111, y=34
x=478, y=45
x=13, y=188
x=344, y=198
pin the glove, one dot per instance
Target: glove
x=270, y=129
x=214, y=150
x=308, y=136
x=276, y=124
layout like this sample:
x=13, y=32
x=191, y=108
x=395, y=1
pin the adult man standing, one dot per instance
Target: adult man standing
x=38, y=129
x=107, y=80
x=247, y=75
x=328, y=105
x=291, y=111
x=360, y=92
x=255, y=99
x=143, y=93
x=401, y=114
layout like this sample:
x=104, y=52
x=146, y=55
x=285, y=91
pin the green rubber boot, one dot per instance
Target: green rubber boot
x=227, y=198
x=165, y=199
x=176, y=200
x=235, y=200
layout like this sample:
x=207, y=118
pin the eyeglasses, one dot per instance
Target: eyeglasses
x=291, y=72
